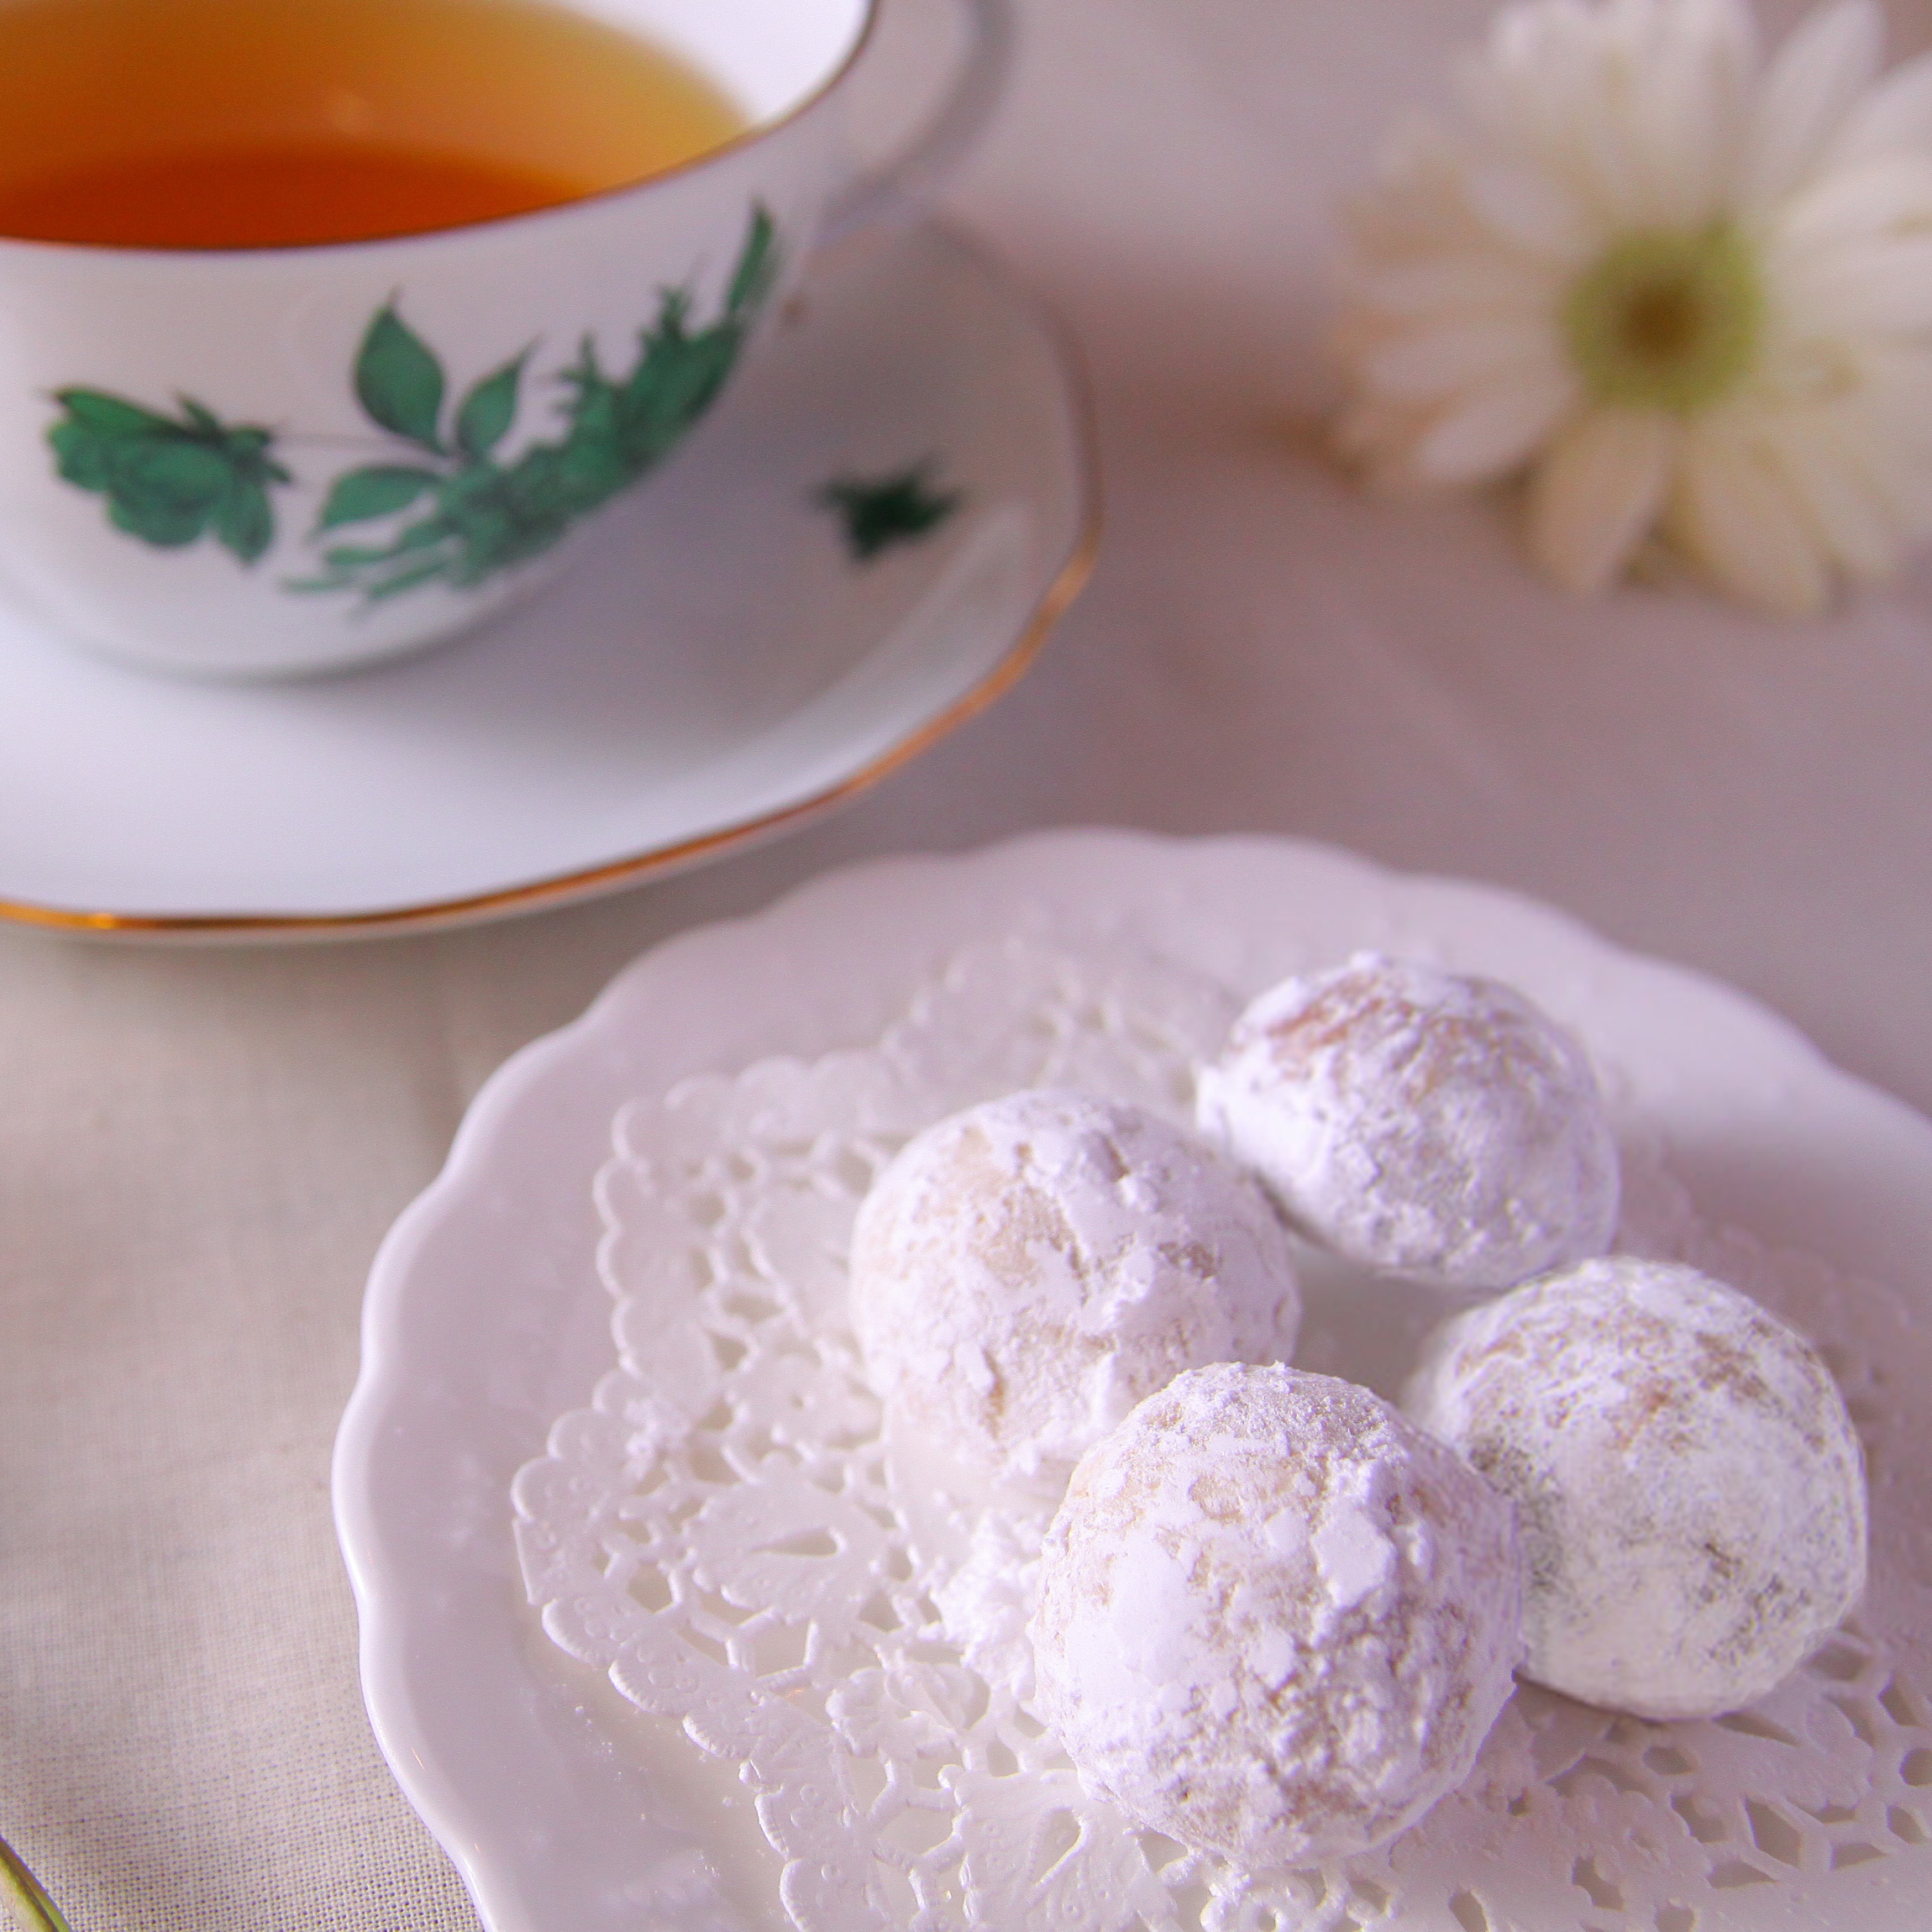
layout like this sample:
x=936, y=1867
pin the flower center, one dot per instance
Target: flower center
x=1666, y=321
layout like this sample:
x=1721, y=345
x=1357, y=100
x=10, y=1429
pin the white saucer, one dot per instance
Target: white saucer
x=717, y=665
x=485, y=1321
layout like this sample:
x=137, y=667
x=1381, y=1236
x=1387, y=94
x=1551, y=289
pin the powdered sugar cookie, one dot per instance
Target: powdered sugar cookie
x=1276, y=1621
x=1691, y=1493
x=1024, y=1273
x=1425, y=1122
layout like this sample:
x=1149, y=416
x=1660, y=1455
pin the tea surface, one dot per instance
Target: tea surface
x=249, y=124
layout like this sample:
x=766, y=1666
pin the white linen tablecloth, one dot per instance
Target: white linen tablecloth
x=200, y=1150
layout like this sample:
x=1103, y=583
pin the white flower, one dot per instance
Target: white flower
x=1688, y=293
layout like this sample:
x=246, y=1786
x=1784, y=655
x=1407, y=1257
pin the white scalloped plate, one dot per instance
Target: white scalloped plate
x=485, y=1319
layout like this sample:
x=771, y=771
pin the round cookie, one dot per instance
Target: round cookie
x=1690, y=1493
x=1424, y=1122
x=1276, y=1621
x=1024, y=1273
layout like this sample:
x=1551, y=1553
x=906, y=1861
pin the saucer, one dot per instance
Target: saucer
x=866, y=543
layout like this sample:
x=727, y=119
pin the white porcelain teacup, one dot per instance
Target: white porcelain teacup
x=268, y=462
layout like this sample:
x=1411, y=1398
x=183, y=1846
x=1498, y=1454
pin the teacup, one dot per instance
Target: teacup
x=272, y=462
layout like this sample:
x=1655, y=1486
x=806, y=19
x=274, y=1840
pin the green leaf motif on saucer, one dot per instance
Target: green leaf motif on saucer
x=882, y=512
x=170, y=482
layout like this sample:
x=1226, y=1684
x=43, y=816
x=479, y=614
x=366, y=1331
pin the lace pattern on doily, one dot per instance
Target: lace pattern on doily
x=725, y=1533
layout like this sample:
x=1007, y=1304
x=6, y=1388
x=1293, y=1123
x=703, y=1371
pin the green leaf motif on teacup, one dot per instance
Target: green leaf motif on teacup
x=398, y=381
x=169, y=481
x=478, y=516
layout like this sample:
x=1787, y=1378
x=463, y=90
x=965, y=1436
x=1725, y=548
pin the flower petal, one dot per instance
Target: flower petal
x=1879, y=288
x=1897, y=113
x=1819, y=72
x=1596, y=495
x=1731, y=514
x=1549, y=100
x=1493, y=429
x=1894, y=400
x=1416, y=202
x=1434, y=359
x=1852, y=520
x=1687, y=108
x=1881, y=435
x=1872, y=199
x=1532, y=212
x=1460, y=280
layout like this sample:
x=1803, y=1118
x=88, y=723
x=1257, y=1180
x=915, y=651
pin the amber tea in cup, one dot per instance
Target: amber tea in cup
x=284, y=391
x=266, y=123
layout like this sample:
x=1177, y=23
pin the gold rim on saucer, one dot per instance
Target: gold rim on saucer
x=24, y=1896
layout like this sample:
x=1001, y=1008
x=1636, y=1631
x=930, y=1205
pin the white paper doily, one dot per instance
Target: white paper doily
x=724, y=1533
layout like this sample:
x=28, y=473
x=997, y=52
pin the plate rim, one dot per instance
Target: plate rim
x=1069, y=579
x=384, y=1623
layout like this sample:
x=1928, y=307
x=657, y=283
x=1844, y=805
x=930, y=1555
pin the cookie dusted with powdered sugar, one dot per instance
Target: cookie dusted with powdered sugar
x=1690, y=1492
x=1276, y=1621
x=1024, y=1273
x=1424, y=1122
